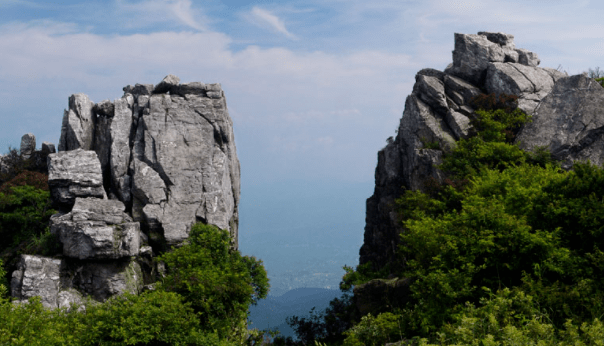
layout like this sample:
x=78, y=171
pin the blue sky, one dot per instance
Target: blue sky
x=314, y=87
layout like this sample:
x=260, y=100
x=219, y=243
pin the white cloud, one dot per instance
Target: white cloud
x=161, y=11
x=265, y=17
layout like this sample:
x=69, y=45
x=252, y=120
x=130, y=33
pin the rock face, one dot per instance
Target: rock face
x=438, y=112
x=569, y=121
x=28, y=145
x=59, y=282
x=37, y=276
x=167, y=152
x=77, y=131
x=130, y=179
x=97, y=229
x=74, y=174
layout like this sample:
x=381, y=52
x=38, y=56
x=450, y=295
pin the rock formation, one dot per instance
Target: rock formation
x=130, y=179
x=167, y=152
x=437, y=113
x=569, y=121
x=28, y=145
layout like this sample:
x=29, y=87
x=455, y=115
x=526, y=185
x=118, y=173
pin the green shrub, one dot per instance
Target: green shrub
x=153, y=318
x=24, y=212
x=375, y=331
x=219, y=283
x=3, y=282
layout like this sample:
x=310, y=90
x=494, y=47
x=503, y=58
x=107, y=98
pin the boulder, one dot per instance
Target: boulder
x=77, y=131
x=97, y=229
x=166, y=85
x=104, y=108
x=194, y=88
x=72, y=174
x=473, y=53
x=139, y=89
x=569, y=122
x=101, y=279
x=28, y=145
x=62, y=282
x=48, y=148
x=37, y=276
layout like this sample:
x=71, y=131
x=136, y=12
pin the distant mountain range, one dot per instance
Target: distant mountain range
x=270, y=313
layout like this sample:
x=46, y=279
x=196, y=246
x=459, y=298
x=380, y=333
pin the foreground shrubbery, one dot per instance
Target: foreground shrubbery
x=507, y=251
x=203, y=300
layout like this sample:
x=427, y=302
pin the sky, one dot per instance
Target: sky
x=314, y=87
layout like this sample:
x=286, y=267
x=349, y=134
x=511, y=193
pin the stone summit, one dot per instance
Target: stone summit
x=129, y=179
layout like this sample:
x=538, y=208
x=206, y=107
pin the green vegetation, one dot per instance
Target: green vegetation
x=508, y=250
x=220, y=284
x=203, y=298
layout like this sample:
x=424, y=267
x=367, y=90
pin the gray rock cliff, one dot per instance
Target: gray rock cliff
x=129, y=180
x=438, y=112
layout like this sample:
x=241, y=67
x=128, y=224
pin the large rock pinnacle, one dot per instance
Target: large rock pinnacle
x=438, y=112
x=130, y=179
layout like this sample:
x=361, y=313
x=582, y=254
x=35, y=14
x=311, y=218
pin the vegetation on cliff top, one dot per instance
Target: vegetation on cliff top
x=508, y=250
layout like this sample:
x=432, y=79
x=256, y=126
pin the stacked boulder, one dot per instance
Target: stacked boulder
x=566, y=119
x=130, y=179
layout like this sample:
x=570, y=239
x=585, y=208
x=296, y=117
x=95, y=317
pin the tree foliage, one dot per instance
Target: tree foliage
x=219, y=283
x=508, y=250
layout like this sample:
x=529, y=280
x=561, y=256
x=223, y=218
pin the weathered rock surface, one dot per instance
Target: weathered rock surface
x=74, y=174
x=438, y=112
x=62, y=282
x=569, y=121
x=28, y=145
x=48, y=148
x=167, y=152
x=188, y=143
x=97, y=229
x=77, y=130
x=37, y=276
x=130, y=179
x=102, y=279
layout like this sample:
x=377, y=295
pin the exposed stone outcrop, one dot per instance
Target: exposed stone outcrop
x=60, y=283
x=438, y=112
x=97, y=229
x=130, y=179
x=37, y=276
x=28, y=145
x=569, y=121
x=48, y=148
x=77, y=131
x=74, y=174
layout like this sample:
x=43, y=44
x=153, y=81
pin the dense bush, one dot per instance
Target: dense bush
x=153, y=318
x=218, y=282
x=508, y=250
x=203, y=300
x=24, y=214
